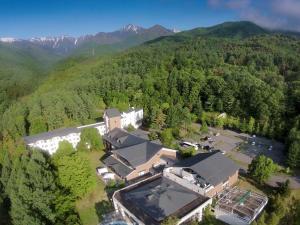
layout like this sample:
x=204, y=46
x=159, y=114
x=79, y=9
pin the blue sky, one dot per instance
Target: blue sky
x=34, y=18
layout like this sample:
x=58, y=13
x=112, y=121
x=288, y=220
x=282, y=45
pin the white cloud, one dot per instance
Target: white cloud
x=290, y=8
x=273, y=14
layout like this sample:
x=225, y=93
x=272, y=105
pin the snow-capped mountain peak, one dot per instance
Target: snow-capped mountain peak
x=132, y=28
x=174, y=30
x=8, y=39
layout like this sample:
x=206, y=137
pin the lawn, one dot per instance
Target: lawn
x=94, y=204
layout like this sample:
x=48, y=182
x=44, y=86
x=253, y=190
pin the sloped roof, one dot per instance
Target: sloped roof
x=140, y=153
x=214, y=167
x=118, y=167
x=51, y=134
x=121, y=138
x=112, y=112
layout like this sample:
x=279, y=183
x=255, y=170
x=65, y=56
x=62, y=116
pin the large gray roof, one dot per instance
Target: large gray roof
x=155, y=199
x=51, y=134
x=118, y=167
x=112, y=112
x=58, y=133
x=138, y=154
x=121, y=138
x=213, y=167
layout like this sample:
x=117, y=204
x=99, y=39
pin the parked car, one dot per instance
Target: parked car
x=188, y=144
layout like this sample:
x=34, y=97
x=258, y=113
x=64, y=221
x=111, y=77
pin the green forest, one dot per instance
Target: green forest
x=239, y=68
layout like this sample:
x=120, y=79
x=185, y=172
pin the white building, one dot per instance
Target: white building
x=49, y=141
x=132, y=117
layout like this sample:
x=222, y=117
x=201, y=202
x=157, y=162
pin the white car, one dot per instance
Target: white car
x=185, y=143
x=108, y=176
x=102, y=170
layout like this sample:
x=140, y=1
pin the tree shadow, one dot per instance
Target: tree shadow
x=103, y=208
x=266, y=188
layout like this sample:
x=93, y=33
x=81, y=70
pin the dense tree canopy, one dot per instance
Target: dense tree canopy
x=74, y=171
x=261, y=168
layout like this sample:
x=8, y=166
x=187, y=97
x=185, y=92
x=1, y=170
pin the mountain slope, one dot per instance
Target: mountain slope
x=123, y=38
x=129, y=36
x=22, y=69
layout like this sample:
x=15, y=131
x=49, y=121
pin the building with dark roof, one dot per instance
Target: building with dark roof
x=132, y=156
x=120, y=138
x=208, y=173
x=152, y=200
x=110, y=113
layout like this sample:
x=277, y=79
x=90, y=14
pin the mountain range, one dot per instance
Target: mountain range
x=125, y=37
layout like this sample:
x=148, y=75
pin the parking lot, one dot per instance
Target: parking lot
x=243, y=146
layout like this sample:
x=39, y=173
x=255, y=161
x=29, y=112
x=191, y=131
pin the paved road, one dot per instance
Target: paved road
x=274, y=180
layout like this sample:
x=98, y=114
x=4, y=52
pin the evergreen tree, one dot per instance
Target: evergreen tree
x=34, y=194
x=244, y=126
x=160, y=119
x=204, y=128
x=5, y=171
x=251, y=124
x=293, y=142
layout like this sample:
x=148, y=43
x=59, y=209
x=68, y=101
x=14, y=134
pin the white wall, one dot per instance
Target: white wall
x=51, y=145
x=133, y=118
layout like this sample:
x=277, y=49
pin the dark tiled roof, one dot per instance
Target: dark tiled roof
x=121, y=138
x=118, y=167
x=140, y=133
x=138, y=154
x=214, y=167
x=112, y=112
x=155, y=199
x=51, y=134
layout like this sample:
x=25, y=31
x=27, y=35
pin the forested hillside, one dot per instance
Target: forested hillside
x=255, y=76
x=251, y=74
x=22, y=68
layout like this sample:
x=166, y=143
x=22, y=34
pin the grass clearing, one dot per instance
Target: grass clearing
x=243, y=183
x=238, y=162
x=94, y=204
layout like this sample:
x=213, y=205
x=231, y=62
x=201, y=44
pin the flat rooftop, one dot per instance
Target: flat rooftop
x=157, y=198
x=244, y=204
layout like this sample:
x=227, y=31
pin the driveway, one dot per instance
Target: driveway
x=277, y=179
x=244, y=160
